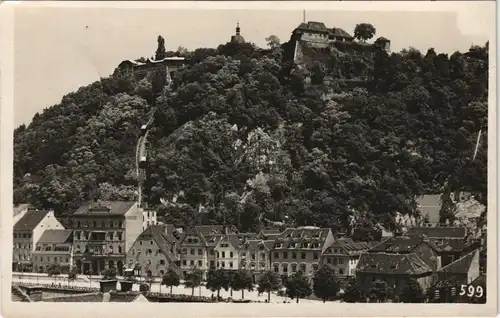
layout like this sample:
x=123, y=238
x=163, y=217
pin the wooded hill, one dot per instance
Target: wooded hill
x=242, y=135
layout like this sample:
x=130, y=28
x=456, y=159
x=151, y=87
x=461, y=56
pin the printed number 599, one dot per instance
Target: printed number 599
x=477, y=292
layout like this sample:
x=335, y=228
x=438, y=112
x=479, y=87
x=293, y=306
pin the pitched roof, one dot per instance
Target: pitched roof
x=461, y=265
x=438, y=232
x=237, y=240
x=396, y=264
x=313, y=26
x=105, y=207
x=21, y=207
x=340, y=32
x=349, y=246
x=268, y=244
x=30, y=220
x=430, y=204
x=163, y=240
x=451, y=245
x=56, y=236
x=479, y=281
x=302, y=237
x=403, y=244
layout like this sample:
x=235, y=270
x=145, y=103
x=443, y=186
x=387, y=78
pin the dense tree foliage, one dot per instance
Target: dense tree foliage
x=298, y=286
x=244, y=136
x=325, y=284
x=217, y=279
x=170, y=279
x=412, y=292
x=241, y=280
x=352, y=293
x=269, y=282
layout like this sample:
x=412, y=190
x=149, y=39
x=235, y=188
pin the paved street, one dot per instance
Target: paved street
x=83, y=281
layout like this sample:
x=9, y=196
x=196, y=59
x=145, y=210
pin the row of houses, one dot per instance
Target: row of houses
x=115, y=234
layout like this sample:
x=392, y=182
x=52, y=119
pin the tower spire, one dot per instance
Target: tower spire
x=304, y=16
x=238, y=28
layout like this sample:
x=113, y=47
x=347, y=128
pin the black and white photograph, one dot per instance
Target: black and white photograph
x=326, y=156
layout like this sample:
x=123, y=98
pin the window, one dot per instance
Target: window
x=223, y=264
x=276, y=268
x=158, y=252
x=315, y=267
x=262, y=256
x=223, y=254
x=184, y=251
x=191, y=262
x=67, y=259
x=200, y=264
x=285, y=255
x=162, y=262
x=303, y=255
x=119, y=249
x=276, y=255
x=200, y=252
x=151, y=242
x=230, y=254
x=191, y=251
x=294, y=255
x=140, y=242
x=303, y=268
x=212, y=252
x=218, y=254
x=315, y=255
x=294, y=268
x=78, y=224
x=328, y=260
x=253, y=255
x=184, y=262
x=41, y=258
x=212, y=263
x=335, y=261
x=341, y=261
x=341, y=271
x=111, y=249
x=230, y=264
x=119, y=235
x=243, y=254
x=285, y=268
x=217, y=264
x=55, y=259
x=162, y=272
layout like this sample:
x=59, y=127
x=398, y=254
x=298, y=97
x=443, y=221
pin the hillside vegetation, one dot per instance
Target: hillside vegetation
x=241, y=135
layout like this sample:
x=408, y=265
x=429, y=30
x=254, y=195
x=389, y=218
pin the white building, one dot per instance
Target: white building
x=26, y=233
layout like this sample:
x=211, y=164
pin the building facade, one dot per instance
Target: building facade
x=343, y=256
x=154, y=252
x=255, y=257
x=26, y=233
x=300, y=249
x=55, y=247
x=103, y=233
x=394, y=269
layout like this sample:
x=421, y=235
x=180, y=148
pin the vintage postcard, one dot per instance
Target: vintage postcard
x=248, y=159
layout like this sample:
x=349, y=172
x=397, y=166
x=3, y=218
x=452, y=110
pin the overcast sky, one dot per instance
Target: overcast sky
x=58, y=50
